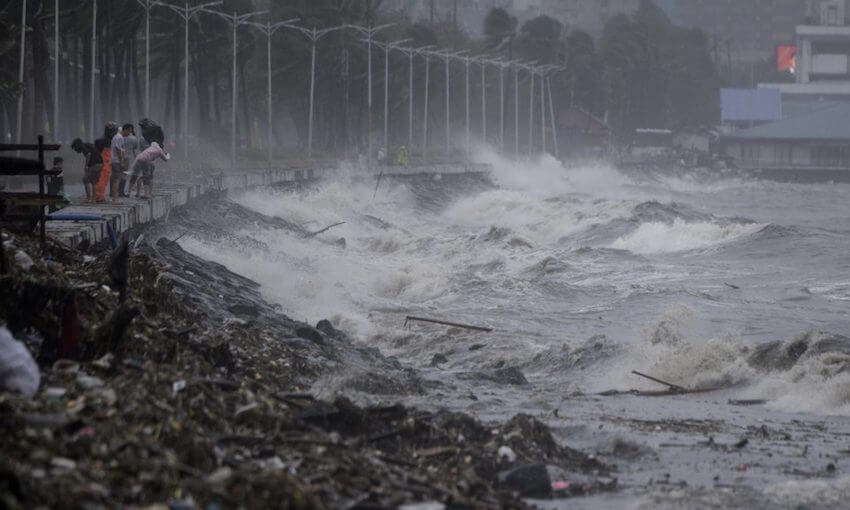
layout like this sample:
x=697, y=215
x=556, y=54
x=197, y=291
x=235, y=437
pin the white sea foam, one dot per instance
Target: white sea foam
x=658, y=237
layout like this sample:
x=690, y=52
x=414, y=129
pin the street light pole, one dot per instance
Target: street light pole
x=56, y=71
x=543, y=112
x=516, y=110
x=447, y=58
x=427, y=58
x=269, y=29
x=21, y=71
x=387, y=47
x=187, y=13
x=466, y=61
x=313, y=36
x=552, y=117
x=410, y=53
x=147, y=5
x=531, y=113
x=235, y=20
x=369, y=33
x=483, y=63
x=93, y=63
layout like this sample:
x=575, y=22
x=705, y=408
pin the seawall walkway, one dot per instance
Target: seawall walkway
x=134, y=213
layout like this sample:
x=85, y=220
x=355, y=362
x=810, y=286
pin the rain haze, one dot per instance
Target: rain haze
x=425, y=254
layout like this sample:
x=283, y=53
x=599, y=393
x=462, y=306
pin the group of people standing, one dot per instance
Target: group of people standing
x=118, y=155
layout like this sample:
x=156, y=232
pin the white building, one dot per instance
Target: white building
x=823, y=53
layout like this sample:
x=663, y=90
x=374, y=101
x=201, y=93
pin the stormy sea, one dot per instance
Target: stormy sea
x=734, y=285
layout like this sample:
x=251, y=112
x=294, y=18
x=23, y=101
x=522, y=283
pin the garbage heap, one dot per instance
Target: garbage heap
x=194, y=393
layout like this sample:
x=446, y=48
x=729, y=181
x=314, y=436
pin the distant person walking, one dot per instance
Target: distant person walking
x=92, y=165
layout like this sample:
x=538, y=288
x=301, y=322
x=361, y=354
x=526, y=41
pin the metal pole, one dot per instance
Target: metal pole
x=369, y=123
x=21, y=70
x=386, y=98
x=93, y=63
x=56, y=71
x=448, y=109
x=269, y=73
x=186, y=17
x=531, y=115
x=147, y=58
x=543, y=113
x=501, y=109
x=484, y=102
x=425, y=116
x=410, y=103
x=233, y=99
x=516, y=111
x=312, y=96
x=468, y=139
x=552, y=116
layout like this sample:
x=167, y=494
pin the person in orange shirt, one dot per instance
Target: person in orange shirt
x=105, y=148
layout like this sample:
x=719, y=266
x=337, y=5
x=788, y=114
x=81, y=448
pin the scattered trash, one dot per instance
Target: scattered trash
x=18, y=372
x=507, y=454
x=178, y=386
x=88, y=382
x=23, y=260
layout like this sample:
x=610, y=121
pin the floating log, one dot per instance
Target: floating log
x=314, y=234
x=410, y=318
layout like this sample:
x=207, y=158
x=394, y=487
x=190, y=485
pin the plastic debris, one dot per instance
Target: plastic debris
x=18, y=372
x=506, y=453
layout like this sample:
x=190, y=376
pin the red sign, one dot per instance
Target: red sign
x=786, y=58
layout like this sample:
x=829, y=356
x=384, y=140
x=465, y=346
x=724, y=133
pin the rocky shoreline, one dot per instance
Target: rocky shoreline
x=195, y=393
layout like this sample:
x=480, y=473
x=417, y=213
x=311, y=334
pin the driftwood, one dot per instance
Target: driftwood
x=410, y=318
x=673, y=387
x=314, y=234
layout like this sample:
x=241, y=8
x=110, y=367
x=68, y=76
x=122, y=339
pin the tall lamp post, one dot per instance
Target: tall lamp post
x=269, y=29
x=447, y=57
x=483, y=61
x=370, y=35
x=56, y=70
x=92, y=131
x=516, y=67
x=427, y=56
x=21, y=70
x=410, y=53
x=147, y=5
x=314, y=36
x=466, y=61
x=235, y=20
x=387, y=47
x=187, y=13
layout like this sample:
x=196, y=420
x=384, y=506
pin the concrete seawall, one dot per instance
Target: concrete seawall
x=133, y=213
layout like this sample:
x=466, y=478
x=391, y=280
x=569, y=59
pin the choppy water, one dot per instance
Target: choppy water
x=585, y=274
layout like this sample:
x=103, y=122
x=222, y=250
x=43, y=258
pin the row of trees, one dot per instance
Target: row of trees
x=643, y=72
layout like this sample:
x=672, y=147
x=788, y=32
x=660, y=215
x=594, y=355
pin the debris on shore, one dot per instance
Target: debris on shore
x=195, y=393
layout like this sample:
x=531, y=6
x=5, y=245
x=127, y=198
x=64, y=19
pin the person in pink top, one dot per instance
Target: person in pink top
x=143, y=168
